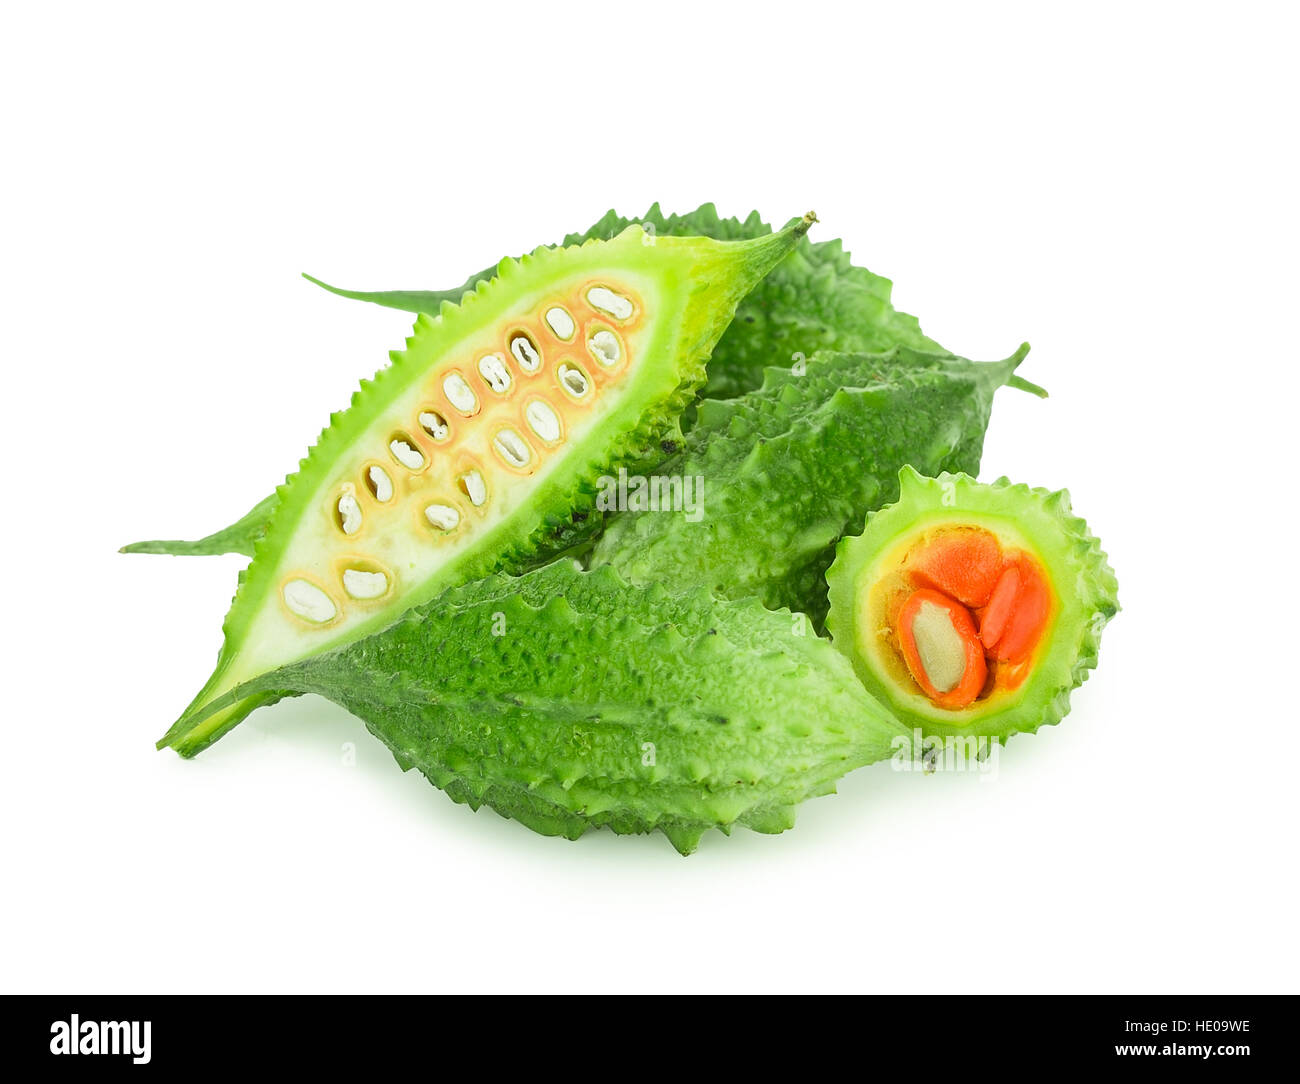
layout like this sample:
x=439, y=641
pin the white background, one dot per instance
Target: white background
x=1115, y=184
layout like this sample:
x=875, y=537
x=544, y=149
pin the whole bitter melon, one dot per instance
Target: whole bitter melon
x=506, y=692
x=491, y=428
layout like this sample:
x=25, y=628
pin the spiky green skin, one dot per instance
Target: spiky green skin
x=1070, y=555
x=531, y=712
x=789, y=469
x=815, y=299
x=692, y=286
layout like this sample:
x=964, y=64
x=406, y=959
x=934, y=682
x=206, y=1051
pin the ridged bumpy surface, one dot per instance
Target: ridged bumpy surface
x=343, y=555
x=787, y=470
x=1041, y=521
x=569, y=700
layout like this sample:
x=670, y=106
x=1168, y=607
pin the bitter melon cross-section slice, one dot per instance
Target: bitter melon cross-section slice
x=972, y=608
x=494, y=424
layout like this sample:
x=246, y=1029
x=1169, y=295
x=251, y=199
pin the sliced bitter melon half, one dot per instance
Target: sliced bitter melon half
x=492, y=427
x=972, y=608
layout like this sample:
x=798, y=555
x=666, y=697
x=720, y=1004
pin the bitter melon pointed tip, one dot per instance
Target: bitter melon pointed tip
x=1012, y=379
x=325, y=285
x=1021, y=384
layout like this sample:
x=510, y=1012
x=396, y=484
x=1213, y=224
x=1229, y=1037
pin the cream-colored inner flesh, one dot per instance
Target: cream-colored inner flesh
x=461, y=450
x=942, y=651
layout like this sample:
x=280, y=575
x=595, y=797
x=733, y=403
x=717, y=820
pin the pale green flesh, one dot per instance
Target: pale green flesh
x=683, y=292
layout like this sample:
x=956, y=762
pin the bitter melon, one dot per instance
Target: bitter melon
x=784, y=472
x=972, y=608
x=814, y=299
x=491, y=427
x=708, y=714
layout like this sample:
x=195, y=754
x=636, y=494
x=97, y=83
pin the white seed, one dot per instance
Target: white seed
x=350, y=512
x=459, y=393
x=361, y=584
x=472, y=483
x=560, y=322
x=942, y=650
x=434, y=424
x=543, y=421
x=409, y=457
x=308, y=601
x=574, y=379
x=442, y=515
x=494, y=371
x=525, y=353
x=604, y=299
x=512, y=448
x=380, y=484
x=604, y=347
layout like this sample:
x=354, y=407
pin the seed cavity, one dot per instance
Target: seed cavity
x=604, y=347
x=379, y=484
x=573, y=379
x=359, y=583
x=561, y=323
x=459, y=393
x=525, y=351
x=406, y=453
x=604, y=299
x=542, y=420
x=494, y=372
x=512, y=448
x=472, y=485
x=309, y=602
x=434, y=424
x=442, y=516
x=349, y=512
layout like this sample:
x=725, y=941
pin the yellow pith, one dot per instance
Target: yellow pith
x=462, y=450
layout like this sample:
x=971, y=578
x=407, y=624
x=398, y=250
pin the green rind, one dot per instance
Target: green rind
x=714, y=276
x=789, y=469
x=1072, y=557
x=528, y=711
